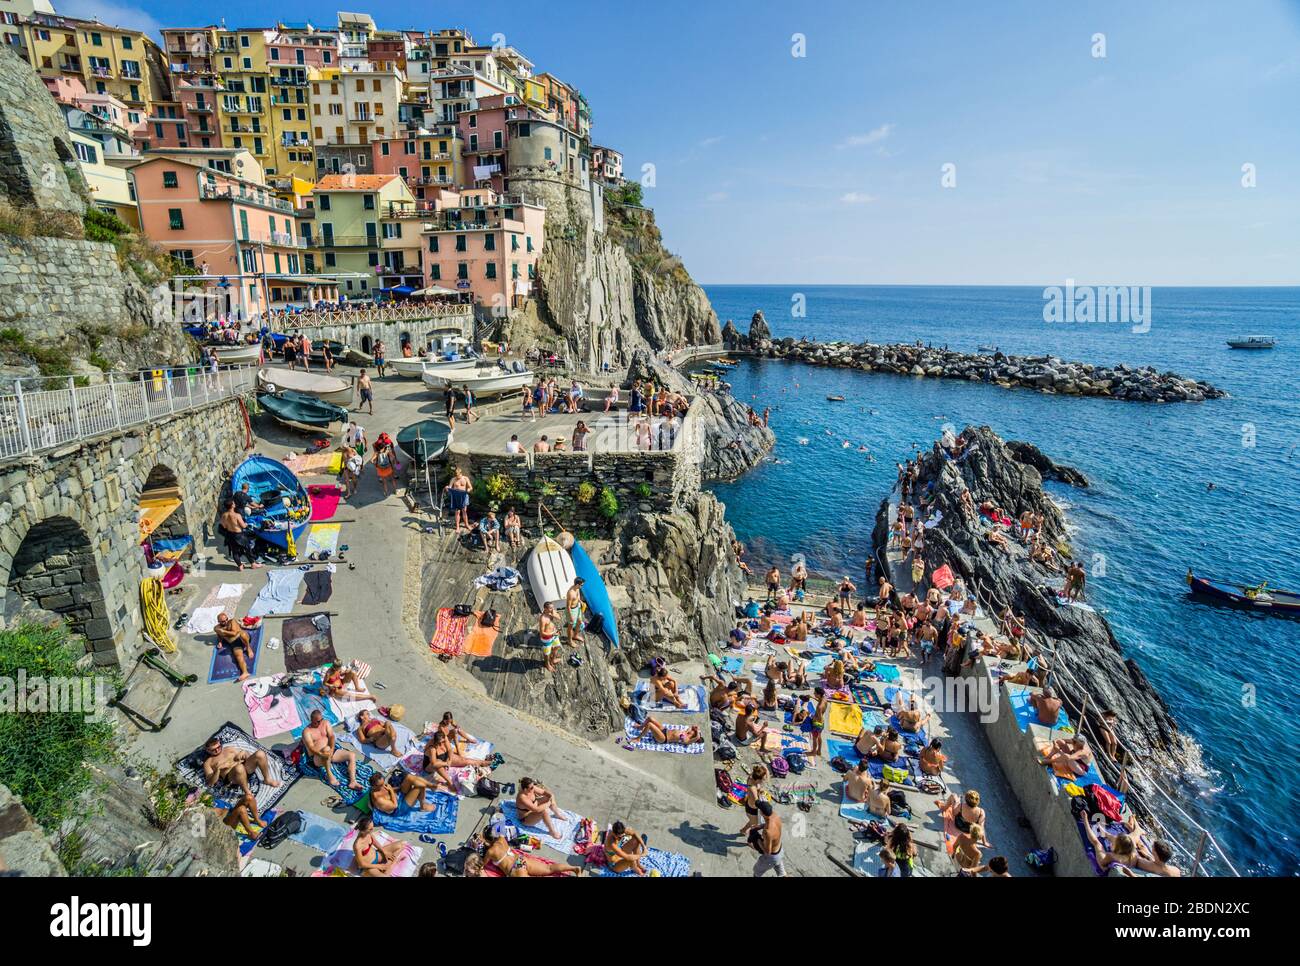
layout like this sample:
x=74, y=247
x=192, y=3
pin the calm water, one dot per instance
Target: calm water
x=1149, y=512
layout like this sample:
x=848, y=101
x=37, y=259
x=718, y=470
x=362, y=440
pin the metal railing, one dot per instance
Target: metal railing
x=1120, y=770
x=376, y=313
x=53, y=413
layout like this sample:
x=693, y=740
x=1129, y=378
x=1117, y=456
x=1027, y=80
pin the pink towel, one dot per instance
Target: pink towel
x=324, y=501
x=270, y=715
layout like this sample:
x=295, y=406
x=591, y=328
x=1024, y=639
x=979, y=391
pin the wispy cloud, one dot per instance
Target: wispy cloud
x=856, y=198
x=113, y=14
x=709, y=142
x=874, y=136
x=717, y=197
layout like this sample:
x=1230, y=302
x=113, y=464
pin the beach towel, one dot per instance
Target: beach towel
x=448, y=633
x=324, y=500
x=1018, y=697
x=692, y=697
x=566, y=825
x=733, y=665
x=342, y=861
x=322, y=834
x=885, y=672
x=315, y=464
x=223, y=667
x=853, y=811
x=310, y=698
x=308, y=642
x=818, y=664
x=222, y=597
x=323, y=537
x=668, y=865
x=631, y=742
x=479, y=639
x=246, y=841
x=349, y=796
x=844, y=719
x=320, y=586
x=271, y=708
x=190, y=769
x=441, y=820
x=493, y=871
x=280, y=593
x=385, y=760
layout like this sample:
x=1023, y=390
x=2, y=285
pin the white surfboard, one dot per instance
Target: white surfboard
x=550, y=572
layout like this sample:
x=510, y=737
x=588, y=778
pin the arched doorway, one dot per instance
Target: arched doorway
x=54, y=570
x=161, y=495
x=367, y=344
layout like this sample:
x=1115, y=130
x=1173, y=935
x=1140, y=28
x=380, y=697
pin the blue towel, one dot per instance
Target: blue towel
x=567, y=826
x=888, y=672
x=630, y=729
x=223, y=666
x=172, y=543
x=1025, y=714
x=733, y=665
x=350, y=796
x=321, y=834
x=440, y=821
x=669, y=865
x=280, y=593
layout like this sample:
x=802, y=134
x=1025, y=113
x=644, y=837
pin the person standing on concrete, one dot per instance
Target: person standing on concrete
x=766, y=841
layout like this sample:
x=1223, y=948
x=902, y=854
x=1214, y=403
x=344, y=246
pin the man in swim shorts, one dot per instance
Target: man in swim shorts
x=573, y=607
x=458, y=493
x=549, y=634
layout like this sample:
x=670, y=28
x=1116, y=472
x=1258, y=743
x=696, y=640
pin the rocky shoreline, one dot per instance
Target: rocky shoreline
x=1079, y=637
x=1046, y=373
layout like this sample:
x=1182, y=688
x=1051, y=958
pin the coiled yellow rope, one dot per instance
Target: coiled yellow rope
x=157, y=618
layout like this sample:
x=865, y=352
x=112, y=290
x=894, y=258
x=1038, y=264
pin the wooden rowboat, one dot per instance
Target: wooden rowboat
x=1258, y=597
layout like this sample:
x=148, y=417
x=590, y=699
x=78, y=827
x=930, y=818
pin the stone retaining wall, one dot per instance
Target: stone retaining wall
x=78, y=505
x=361, y=335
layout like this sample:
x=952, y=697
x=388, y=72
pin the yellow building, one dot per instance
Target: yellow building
x=109, y=60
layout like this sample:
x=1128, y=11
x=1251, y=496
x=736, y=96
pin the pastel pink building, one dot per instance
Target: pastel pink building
x=485, y=244
x=243, y=241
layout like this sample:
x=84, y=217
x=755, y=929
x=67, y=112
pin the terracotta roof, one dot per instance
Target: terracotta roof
x=355, y=182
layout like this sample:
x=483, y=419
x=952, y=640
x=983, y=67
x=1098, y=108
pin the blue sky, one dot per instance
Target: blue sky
x=827, y=168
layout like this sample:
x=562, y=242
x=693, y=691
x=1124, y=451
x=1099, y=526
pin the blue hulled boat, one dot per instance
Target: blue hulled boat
x=1259, y=597
x=286, y=505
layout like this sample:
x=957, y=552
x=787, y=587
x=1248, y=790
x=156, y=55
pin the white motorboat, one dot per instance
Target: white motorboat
x=1253, y=342
x=416, y=367
x=550, y=572
x=327, y=388
x=237, y=354
x=482, y=382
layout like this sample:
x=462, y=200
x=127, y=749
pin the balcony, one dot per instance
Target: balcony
x=197, y=108
x=216, y=192
x=362, y=118
x=349, y=241
x=285, y=240
x=434, y=179
x=425, y=211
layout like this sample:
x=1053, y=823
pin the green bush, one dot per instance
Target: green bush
x=608, y=504
x=48, y=758
x=643, y=491
x=586, y=492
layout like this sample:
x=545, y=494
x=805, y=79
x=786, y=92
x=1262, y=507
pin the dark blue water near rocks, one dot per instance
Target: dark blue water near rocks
x=1229, y=676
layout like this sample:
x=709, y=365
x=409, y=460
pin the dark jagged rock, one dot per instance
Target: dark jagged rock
x=758, y=329
x=1081, y=639
x=1046, y=374
x=728, y=444
x=1048, y=469
x=731, y=337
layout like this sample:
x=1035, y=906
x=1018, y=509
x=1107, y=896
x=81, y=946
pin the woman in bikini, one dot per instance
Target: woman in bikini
x=624, y=849
x=375, y=860
x=516, y=865
x=665, y=688
x=454, y=732
x=966, y=813
x=244, y=814
x=670, y=736
x=966, y=852
x=343, y=682
x=376, y=732
x=439, y=755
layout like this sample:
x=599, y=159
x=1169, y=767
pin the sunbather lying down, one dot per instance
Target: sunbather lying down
x=670, y=736
x=1068, y=754
x=516, y=865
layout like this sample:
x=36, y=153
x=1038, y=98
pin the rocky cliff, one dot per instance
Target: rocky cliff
x=75, y=287
x=1082, y=639
x=606, y=285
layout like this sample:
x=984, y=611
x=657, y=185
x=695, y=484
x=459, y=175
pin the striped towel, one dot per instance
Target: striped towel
x=631, y=728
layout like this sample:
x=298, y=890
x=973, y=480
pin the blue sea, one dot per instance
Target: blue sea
x=1227, y=675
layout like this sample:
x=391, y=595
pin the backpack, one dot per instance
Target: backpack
x=281, y=827
x=487, y=788
x=596, y=623
x=489, y=618
x=1041, y=861
x=780, y=766
x=454, y=861
x=797, y=762
x=717, y=732
x=898, y=776
x=840, y=764
x=725, y=751
x=462, y=610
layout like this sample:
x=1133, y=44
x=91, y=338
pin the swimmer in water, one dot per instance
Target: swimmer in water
x=1209, y=486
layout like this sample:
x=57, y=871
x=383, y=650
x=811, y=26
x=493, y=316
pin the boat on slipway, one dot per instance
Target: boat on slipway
x=423, y=441
x=286, y=507
x=329, y=388
x=594, y=591
x=482, y=382
x=300, y=412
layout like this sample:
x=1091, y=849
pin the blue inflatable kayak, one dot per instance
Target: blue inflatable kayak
x=594, y=590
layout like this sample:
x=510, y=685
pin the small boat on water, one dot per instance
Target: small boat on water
x=237, y=354
x=835, y=399
x=550, y=572
x=286, y=507
x=988, y=348
x=1259, y=597
x=482, y=382
x=423, y=441
x=594, y=591
x=1253, y=342
x=303, y=413
x=329, y=388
